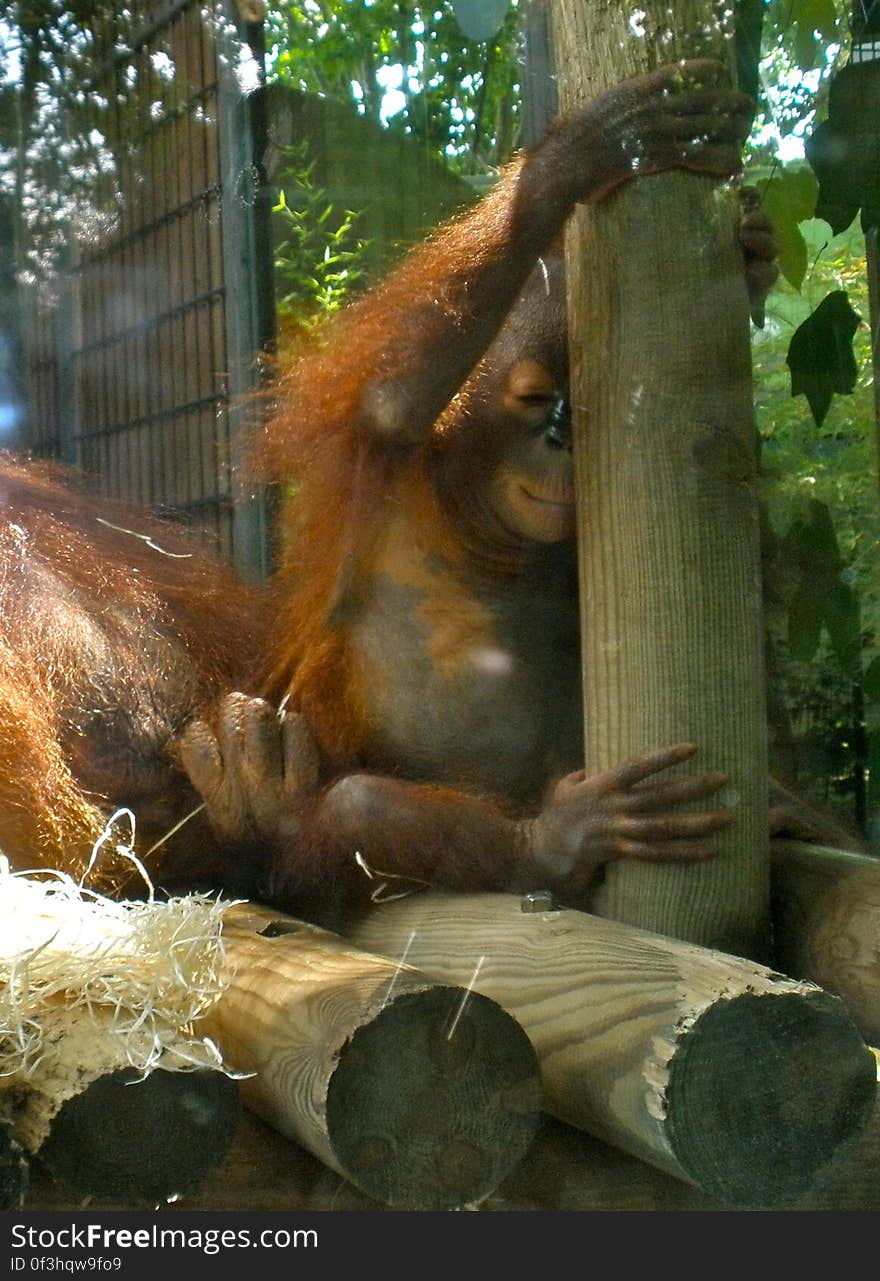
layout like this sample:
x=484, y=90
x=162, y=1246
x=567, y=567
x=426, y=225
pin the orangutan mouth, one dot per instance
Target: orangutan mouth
x=559, y=504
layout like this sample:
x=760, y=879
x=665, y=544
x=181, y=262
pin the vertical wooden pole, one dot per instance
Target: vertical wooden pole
x=540, y=101
x=665, y=459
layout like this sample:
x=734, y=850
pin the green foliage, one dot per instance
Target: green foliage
x=820, y=493
x=788, y=198
x=814, y=24
x=318, y=254
x=795, y=67
x=819, y=460
x=458, y=98
x=820, y=354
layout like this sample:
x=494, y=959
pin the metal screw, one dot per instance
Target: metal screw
x=538, y=901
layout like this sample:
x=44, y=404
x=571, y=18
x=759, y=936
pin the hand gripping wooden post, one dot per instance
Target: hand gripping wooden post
x=713, y=1068
x=422, y=1094
x=665, y=467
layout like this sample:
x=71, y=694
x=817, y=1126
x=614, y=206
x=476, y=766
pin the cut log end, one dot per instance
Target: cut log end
x=434, y=1101
x=764, y=1091
x=138, y=1140
x=14, y=1171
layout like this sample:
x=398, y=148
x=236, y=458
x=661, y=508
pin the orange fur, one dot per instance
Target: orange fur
x=93, y=616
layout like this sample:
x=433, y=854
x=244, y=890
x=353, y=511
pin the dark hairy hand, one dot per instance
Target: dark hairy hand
x=682, y=116
x=624, y=812
x=252, y=765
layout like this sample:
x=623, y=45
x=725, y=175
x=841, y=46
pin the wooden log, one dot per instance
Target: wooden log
x=565, y=1169
x=424, y=1095
x=136, y=1139
x=826, y=925
x=107, y=1129
x=666, y=479
x=711, y=1067
x=101, y=1078
x=14, y=1170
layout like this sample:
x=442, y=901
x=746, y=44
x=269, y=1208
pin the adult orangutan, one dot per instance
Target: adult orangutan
x=115, y=630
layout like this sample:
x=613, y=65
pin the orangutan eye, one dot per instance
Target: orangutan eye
x=557, y=428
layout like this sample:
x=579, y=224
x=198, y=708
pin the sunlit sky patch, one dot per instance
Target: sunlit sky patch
x=393, y=101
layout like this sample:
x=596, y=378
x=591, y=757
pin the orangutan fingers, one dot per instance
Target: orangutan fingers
x=261, y=756
x=672, y=827
x=667, y=852
x=300, y=756
x=650, y=797
x=638, y=768
x=200, y=756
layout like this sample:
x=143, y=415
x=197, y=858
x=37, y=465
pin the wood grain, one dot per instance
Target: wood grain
x=826, y=924
x=422, y=1094
x=665, y=462
x=709, y=1066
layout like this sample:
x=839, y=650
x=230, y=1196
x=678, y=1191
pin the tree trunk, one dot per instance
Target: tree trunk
x=665, y=459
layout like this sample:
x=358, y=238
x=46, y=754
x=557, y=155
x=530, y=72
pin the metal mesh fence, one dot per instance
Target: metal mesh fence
x=140, y=368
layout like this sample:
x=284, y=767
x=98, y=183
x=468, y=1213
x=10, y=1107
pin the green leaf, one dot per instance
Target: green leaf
x=820, y=355
x=823, y=597
x=480, y=19
x=811, y=543
x=788, y=198
x=842, y=618
x=807, y=17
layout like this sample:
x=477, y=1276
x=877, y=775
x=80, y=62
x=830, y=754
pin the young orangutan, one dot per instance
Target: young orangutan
x=426, y=624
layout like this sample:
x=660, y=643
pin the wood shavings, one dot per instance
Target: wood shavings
x=89, y=985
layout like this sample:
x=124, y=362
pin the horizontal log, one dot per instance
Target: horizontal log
x=565, y=1169
x=108, y=1129
x=136, y=1139
x=14, y=1170
x=423, y=1095
x=714, y=1068
x=826, y=925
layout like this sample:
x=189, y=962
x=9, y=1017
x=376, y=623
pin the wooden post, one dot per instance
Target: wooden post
x=710, y=1067
x=664, y=451
x=826, y=925
x=424, y=1095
